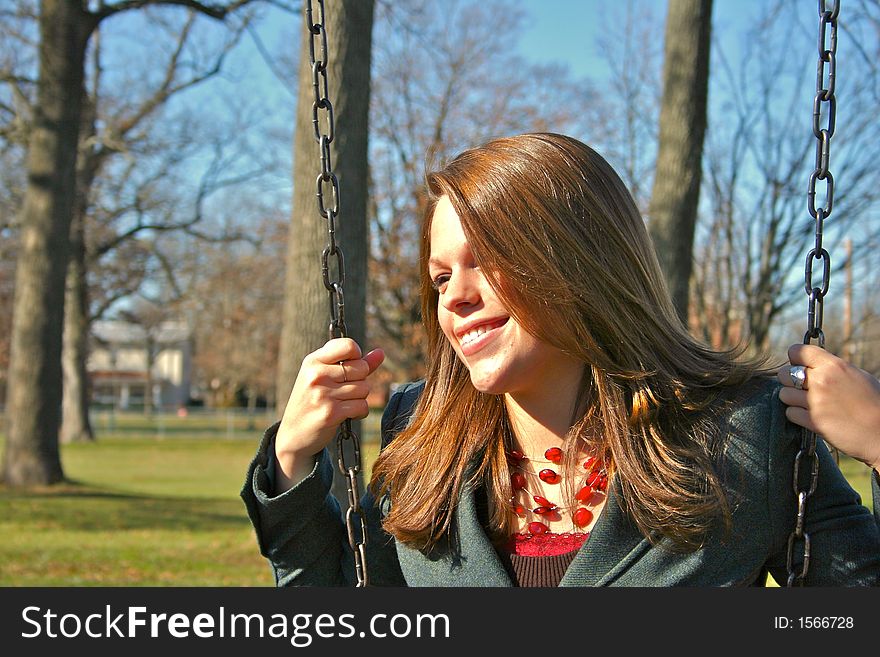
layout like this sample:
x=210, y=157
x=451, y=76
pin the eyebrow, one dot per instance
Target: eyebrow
x=437, y=262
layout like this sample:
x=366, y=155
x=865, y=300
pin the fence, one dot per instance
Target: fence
x=226, y=423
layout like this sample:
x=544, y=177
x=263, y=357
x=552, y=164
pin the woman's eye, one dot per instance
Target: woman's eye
x=439, y=282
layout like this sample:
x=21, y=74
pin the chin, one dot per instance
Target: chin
x=488, y=385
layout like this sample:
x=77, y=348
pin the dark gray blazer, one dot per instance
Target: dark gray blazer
x=301, y=531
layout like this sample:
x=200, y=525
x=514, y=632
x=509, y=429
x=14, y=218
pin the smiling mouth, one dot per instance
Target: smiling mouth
x=479, y=331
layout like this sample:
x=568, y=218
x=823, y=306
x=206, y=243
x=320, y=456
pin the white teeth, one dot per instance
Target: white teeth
x=475, y=333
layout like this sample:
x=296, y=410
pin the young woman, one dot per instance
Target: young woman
x=569, y=431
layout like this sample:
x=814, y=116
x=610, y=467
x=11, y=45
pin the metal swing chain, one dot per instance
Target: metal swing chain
x=318, y=40
x=806, y=463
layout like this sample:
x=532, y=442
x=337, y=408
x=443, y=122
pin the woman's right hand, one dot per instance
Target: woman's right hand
x=837, y=400
x=331, y=387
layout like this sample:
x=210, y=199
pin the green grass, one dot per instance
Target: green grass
x=859, y=477
x=137, y=512
x=141, y=510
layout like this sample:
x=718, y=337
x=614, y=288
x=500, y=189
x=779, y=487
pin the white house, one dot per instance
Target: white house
x=126, y=360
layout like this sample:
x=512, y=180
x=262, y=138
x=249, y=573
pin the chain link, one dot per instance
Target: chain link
x=806, y=463
x=354, y=517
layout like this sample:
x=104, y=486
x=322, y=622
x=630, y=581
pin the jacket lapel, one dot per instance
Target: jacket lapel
x=470, y=560
x=613, y=546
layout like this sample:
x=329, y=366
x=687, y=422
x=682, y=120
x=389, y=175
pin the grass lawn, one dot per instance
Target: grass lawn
x=142, y=510
x=139, y=510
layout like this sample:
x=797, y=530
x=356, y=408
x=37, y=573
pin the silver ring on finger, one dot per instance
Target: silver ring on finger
x=344, y=374
x=798, y=374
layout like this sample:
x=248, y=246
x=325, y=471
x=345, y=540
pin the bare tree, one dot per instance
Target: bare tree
x=625, y=116
x=752, y=243
x=676, y=192
x=125, y=132
x=34, y=404
x=235, y=297
x=35, y=381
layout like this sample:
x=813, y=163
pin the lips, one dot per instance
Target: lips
x=476, y=335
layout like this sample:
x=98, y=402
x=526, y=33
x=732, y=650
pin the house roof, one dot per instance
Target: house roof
x=119, y=332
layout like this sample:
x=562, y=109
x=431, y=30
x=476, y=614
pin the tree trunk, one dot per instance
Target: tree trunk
x=306, y=307
x=32, y=455
x=676, y=191
x=75, y=423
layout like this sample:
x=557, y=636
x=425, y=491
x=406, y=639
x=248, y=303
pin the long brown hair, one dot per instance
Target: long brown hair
x=576, y=269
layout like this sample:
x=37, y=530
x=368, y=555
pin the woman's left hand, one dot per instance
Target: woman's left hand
x=838, y=401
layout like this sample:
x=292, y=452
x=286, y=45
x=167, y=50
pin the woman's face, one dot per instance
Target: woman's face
x=500, y=355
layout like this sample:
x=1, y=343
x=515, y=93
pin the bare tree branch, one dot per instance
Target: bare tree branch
x=218, y=11
x=287, y=83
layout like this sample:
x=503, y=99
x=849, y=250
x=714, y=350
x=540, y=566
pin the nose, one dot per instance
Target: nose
x=462, y=289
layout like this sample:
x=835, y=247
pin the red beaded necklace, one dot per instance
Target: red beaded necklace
x=590, y=493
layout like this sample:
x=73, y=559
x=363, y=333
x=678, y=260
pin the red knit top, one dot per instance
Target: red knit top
x=540, y=560
x=547, y=544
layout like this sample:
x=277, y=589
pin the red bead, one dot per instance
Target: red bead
x=554, y=454
x=517, y=455
x=603, y=482
x=518, y=480
x=593, y=478
x=543, y=510
x=549, y=476
x=589, y=463
x=543, y=501
x=538, y=528
x=583, y=517
x=519, y=510
x=584, y=494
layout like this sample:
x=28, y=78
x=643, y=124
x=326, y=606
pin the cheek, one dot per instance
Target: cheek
x=444, y=318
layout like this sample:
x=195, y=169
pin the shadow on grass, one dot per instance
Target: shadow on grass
x=78, y=507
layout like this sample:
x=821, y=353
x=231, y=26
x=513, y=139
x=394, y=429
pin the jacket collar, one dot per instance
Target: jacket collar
x=470, y=559
x=614, y=545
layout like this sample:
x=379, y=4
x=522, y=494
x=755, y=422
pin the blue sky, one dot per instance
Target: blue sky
x=566, y=31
